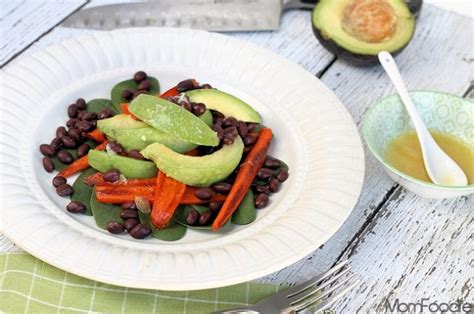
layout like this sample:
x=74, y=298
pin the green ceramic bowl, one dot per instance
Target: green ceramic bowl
x=440, y=111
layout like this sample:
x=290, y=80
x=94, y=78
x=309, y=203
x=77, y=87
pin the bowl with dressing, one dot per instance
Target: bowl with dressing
x=391, y=138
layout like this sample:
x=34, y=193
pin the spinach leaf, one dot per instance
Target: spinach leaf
x=96, y=105
x=104, y=213
x=116, y=93
x=83, y=192
x=173, y=232
x=246, y=213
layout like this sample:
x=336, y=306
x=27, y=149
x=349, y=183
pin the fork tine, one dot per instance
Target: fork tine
x=329, y=301
x=312, y=300
x=302, y=287
x=309, y=292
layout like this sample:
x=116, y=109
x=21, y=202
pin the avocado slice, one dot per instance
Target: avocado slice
x=357, y=30
x=196, y=171
x=172, y=119
x=119, y=122
x=129, y=167
x=228, y=105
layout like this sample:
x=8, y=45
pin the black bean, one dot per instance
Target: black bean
x=272, y=163
x=282, y=175
x=186, y=85
x=246, y=150
x=140, y=231
x=228, y=141
x=230, y=121
x=64, y=190
x=85, y=126
x=139, y=76
x=104, y=113
x=81, y=104
x=135, y=154
x=222, y=187
x=249, y=140
x=59, y=180
x=144, y=85
x=56, y=143
x=274, y=185
x=48, y=164
x=215, y=206
x=81, y=114
x=129, y=205
x=116, y=147
x=261, y=200
x=217, y=114
x=205, y=218
x=128, y=213
x=74, y=134
x=112, y=175
x=71, y=123
x=203, y=194
x=76, y=207
x=220, y=132
x=137, y=93
x=127, y=93
x=264, y=173
x=206, y=86
x=231, y=132
x=72, y=111
x=47, y=150
x=262, y=189
x=243, y=129
x=130, y=223
x=199, y=109
x=61, y=131
x=187, y=106
x=65, y=157
x=89, y=116
x=115, y=227
x=83, y=150
x=192, y=217
x=251, y=126
x=68, y=142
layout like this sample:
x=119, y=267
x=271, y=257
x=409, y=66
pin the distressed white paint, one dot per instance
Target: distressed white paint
x=409, y=248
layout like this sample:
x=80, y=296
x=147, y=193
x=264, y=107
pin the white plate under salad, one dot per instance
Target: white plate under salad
x=314, y=135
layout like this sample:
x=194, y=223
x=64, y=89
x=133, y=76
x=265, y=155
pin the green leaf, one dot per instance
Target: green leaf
x=183, y=210
x=116, y=93
x=59, y=165
x=173, y=232
x=83, y=192
x=96, y=105
x=246, y=213
x=104, y=213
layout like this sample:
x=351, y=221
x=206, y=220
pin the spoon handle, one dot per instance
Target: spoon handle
x=391, y=68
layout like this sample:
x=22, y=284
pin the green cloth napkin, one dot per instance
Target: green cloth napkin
x=28, y=285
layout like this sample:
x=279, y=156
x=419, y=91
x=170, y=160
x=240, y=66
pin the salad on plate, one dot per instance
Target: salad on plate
x=154, y=164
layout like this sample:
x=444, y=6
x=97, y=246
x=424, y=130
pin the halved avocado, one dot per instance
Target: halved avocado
x=196, y=171
x=357, y=30
x=129, y=167
x=228, y=105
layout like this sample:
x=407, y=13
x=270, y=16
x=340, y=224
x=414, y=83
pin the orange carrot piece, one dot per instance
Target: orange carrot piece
x=94, y=179
x=193, y=152
x=170, y=92
x=79, y=164
x=97, y=136
x=247, y=173
x=125, y=110
x=168, y=194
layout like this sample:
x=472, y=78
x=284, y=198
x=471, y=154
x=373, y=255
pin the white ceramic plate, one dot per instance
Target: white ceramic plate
x=314, y=134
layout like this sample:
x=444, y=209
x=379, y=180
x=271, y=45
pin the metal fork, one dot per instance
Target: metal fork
x=319, y=293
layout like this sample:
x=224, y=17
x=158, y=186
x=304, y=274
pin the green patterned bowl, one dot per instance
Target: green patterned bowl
x=440, y=111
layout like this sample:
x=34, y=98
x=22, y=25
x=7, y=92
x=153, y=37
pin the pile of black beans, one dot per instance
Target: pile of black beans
x=143, y=87
x=130, y=222
x=182, y=100
x=118, y=149
x=194, y=218
x=272, y=181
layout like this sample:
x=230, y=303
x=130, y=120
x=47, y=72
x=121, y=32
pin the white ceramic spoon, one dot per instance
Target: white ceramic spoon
x=440, y=167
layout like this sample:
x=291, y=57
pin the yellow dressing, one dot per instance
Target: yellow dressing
x=404, y=153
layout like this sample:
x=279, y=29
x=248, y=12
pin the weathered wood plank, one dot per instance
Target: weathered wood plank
x=22, y=23
x=438, y=58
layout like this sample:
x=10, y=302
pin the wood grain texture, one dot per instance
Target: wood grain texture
x=22, y=23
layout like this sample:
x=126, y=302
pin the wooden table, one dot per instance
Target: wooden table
x=400, y=245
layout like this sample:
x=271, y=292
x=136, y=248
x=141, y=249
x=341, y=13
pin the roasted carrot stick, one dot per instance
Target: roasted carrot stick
x=79, y=164
x=95, y=178
x=97, y=136
x=168, y=194
x=193, y=152
x=247, y=173
x=170, y=92
x=190, y=198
